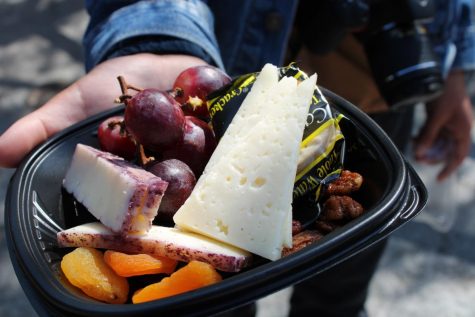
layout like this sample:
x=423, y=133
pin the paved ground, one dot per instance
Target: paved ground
x=427, y=270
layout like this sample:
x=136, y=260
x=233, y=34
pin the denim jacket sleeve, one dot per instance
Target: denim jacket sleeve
x=464, y=37
x=161, y=26
x=453, y=34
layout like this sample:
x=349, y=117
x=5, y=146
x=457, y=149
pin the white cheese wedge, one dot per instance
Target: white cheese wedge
x=244, y=198
x=159, y=241
x=247, y=115
x=124, y=197
x=245, y=119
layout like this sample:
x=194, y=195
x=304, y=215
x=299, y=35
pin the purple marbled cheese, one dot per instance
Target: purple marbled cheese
x=159, y=241
x=121, y=195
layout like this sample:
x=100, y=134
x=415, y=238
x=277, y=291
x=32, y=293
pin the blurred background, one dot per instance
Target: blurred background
x=428, y=267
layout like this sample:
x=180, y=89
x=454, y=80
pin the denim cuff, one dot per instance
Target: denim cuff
x=465, y=56
x=161, y=26
x=158, y=45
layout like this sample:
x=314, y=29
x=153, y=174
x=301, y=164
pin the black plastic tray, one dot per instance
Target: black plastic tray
x=392, y=194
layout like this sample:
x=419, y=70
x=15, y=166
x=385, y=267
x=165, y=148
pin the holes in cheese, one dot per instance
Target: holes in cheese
x=248, y=182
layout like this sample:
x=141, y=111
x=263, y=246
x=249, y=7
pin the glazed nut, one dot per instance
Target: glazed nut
x=347, y=183
x=340, y=208
x=301, y=240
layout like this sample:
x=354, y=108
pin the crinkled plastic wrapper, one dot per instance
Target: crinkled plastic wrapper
x=321, y=150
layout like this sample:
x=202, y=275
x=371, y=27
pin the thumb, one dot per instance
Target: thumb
x=20, y=139
x=24, y=135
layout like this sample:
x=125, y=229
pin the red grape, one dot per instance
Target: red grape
x=197, y=146
x=113, y=138
x=194, y=84
x=154, y=119
x=181, y=182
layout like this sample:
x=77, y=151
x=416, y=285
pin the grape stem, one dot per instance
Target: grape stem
x=143, y=159
x=124, y=87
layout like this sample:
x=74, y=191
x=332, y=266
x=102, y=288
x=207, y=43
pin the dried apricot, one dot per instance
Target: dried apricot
x=86, y=269
x=138, y=264
x=192, y=276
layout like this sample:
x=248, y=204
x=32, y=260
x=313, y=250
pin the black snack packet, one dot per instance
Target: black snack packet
x=322, y=146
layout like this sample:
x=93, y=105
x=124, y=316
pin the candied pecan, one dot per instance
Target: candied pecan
x=347, y=183
x=296, y=227
x=301, y=240
x=340, y=208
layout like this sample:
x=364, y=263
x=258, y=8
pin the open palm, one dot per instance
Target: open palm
x=89, y=95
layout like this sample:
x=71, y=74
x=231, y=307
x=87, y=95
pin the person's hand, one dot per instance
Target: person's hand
x=89, y=95
x=448, y=124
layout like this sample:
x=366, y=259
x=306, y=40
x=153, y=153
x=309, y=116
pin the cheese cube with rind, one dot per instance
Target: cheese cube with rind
x=159, y=241
x=244, y=198
x=123, y=196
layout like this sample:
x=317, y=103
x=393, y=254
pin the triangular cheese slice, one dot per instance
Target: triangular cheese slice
x=248, y=114
x=244, y=197
x=245, y=118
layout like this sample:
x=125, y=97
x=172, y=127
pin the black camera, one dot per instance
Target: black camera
x=392, y=32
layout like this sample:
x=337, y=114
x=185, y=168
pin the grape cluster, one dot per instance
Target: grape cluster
x=170, y=125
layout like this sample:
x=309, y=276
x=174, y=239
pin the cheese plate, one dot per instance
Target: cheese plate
x=37, y=208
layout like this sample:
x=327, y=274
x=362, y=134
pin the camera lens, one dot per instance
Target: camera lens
x=403, y=64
